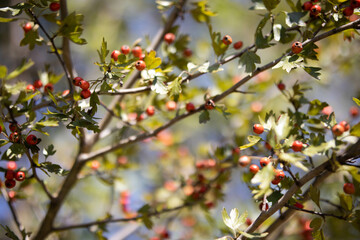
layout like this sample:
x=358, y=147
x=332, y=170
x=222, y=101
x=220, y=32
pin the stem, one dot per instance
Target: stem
x=323, y=215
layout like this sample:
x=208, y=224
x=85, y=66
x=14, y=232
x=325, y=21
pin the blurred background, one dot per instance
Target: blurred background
x=151, y=171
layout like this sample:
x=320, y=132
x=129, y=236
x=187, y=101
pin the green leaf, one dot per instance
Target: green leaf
x=309, y=51
x=274, y=197
x=103, y=52
x=253, y=140
x=248, y=60
x=260, y=40
x=175, y=88
x=357, y=101
x=49, y=151
x=315, y=195
x=48, y=123
x=159, y=86
x=8, y=19
x=289, y=62
x=216, y=42
x=271, y=4
x=9, y=233
x=25, y=65
x=32, y=38
x=71, y=27
x=346, y=201
x=294, y=19
x=147, y=222
x=3, y=142
x=151, y=60
x=355, y=130
x=85, y=124
x=316, y=224
x=51, y=17
x=234, y=221
x=313, y=71
x=201, y=12
x=294, y=159
x=3, y=71
x=263, y=178
x=54, y=168
x=318, y=235
x=254, y=235
x=204, y=117
x=315, y=107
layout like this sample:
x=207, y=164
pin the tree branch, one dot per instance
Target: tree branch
x=323, y=215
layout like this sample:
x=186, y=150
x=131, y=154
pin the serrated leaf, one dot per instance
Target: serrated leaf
x=147, y=222
x=103, y=52
x=49, y=151
x=260, y=40
x=54, y=168
x=216, y=42
x=175, y=88
x=71, y=27
x=234, y=221
x=294, y=159
x=263, y=178
x=204, y=68
x=159, y=86
x=314, y=194
x=313, y=71
x=248, y=60
x=294, y=18
x=25, y=65
x=253, y=140
x=204, y=117
x=287, y=63
x=151, y=60
x=32, y=38
x=201, y=12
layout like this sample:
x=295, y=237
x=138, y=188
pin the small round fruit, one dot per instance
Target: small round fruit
x=27, y=27
x=137, y=51
x=187, y=52
x=315, y=10
x=190, y=107
x=125, y=49
x=48, y=88
x=276, y=181
x=349, y=188
x=254, y=168
x=338, y=130
x=0, y=129
x=169, y=38
x=307, y=6
x=279, y=174
x=55, y=6
x=13, y=127
x=238, y=45
x=30, y=88
x=210, y=104
x=248, y=221
x=85, y=94
x=38, y=84
x=348, y=11
x=264, y=161
x=355, y=3
x=345, y=125
x=77, y=80
x=261, y=206
x=65, y=93
x=115, y=55
x=10, y=174
x=84, y=85
x=258, y=128
x=297, y=146
x=20, y=176
x=95, y=164
x=11, y=165
x=298, y=205
x=244, y=161
x=281, y=86
x=236, y=151
x=227, y=40
x=14, y=137
x=297, y=47
x=140, y=65
x=150, y=110
x=354, y=111
x=171, y=105
x=268, y=146
x=10, y=183
x=31, y=139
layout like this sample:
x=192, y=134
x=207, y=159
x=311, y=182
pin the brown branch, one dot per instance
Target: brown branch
x=12, y=210
x=323, y=215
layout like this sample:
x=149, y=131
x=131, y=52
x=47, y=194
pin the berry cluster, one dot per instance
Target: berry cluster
x=38, y=84
x=137, y=52
x=314, y=9
x=84, y=85
x=227, y=40
x=349, y=10
x=11, y=175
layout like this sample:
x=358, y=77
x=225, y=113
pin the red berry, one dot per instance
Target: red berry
x=338, y=130
x=307, y=6
x=279, y=174
x=169, y=38
x=244, y=161
x=65, y=93
x=349, y=188
x=115, y=54
x=14, y=137
x=150, y=110
x=10, y=183
x=0, y=129
x=27, y=27
x=209, y=105
x=276, y=181
x=297, y=146
x=11, y=165
x=77, y=80
x=12, y=195
x=281, y=86
x=236, y=151
x=95, y=164
x=30, y=88
x=315, y=10
x=298, y=205
x=238, y=45
x=187, y=52
x=85, y=94
x=190, y=107
x=48, y=88
x=345, y=125
x=355, y=3
x=254, y=168
x=20, y=176
x=327, y=110
x=38, y=84
x=140, y=65
x=55, y=6
x=264, y=161
x=125, y=49
x=354, y=111
x=258, y=128
x=262, y=205
x=348, y=11
x=227, y=40
x=13, y=127
x=297, y=47
x=137, y=51
x=248, y=221
x=84, y=85
x=171, y=105
x=268, y=146
x=31, y=139
x=209, y=205
x=10, y=174
x=140, y=117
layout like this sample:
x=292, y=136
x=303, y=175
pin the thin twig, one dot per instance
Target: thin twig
x=12, y=210
x=323, y=215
